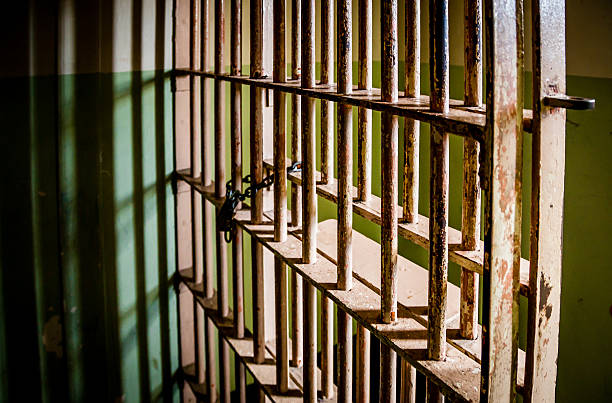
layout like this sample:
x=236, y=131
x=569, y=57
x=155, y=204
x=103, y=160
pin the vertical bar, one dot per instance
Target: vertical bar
x=345, y=146
x=410, y=191
x=363, y=365
x=297, y=336
x=327, y=77
x=548, y=170
x=280, y=198
x=236, y=171
x=364, y=117
x=408, y=390
x=327, y=348
x=345, y=199
x=309, y=195
x=219, y=118
x=256, y=151
x=498, y=374
x=470, y=225
x=364, y=177
x=310, y=341
x=438, y=205
x=309, y=202
x=389, y=174
x=196, y=198
x=280, y=126
x=282, y=353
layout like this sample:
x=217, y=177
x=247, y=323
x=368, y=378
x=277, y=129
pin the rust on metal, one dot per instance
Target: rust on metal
x=309, y=195
x=388, y=366
x=327, y=348
x=498, y=377
x=408, y=389
x=281, y=321
x=280, y=126
x=438, y=205
x=411, y=127
x=470, y=224
x=345, y=357
x=362, y=384
x=327, y=76
x=310, y=341
x=364, y=115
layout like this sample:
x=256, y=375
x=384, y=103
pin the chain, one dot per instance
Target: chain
x=226, y=213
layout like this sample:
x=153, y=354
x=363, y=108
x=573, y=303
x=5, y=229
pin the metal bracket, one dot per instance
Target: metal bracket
x=569, y=102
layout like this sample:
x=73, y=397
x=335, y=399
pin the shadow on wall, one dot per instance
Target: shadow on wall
x=87, y=311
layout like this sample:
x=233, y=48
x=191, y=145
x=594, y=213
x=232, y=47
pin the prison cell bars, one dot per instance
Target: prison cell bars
x=496, y=135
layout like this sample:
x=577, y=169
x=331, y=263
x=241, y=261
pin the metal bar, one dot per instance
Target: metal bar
x=498, y=376
x=362, y=384
x=297, y=337
x=364, y=117
x=438, y=205
x=345, y=357
x=411, y=127
x=309, y=196
x=408, y=390
x=282, y=353
x=345, y=146
x=196, y=198
x=470, y=225
x=389, y=174
x=280, y=125
x=256, y=168
x=327, y=347
x=548, y=168
x=310, y=343
x=327, y=77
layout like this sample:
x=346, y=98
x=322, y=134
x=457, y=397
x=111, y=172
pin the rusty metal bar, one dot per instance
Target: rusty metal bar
x=362, y=384
x=297, y=336
x=408, y=389
x=256, y=168
x=364, y=115
x=345, y=146
x=309, y=195
x=281, y=320
x=548, y=168
x=280, y=197
x=345, y=199
x=470, y=226
x=327, y=348
x=327, y=77
x=438, y=205
x=498, y=374
x=222, y=275
x=310, y=342
x=389, y=174
x=410, y=202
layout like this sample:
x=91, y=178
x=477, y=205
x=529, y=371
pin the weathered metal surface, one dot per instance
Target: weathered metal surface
x=388, y=366
x=256, y=169
x=282, y=325
x=470, y=225
x=327, y=75
x=280, y=125
x=408, y=390
x=345, y=146
x=389, y=174
x=327, y=347
x=364, y=116
x=498, y=377
x=460, y=120
x=310, y=342
x=438, y=204
x=345, y=357
x=548, y=168
x=411, y=127
x=362, y=364
x=309, y=196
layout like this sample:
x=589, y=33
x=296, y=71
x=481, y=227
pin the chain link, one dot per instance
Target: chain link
x=233, y=197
